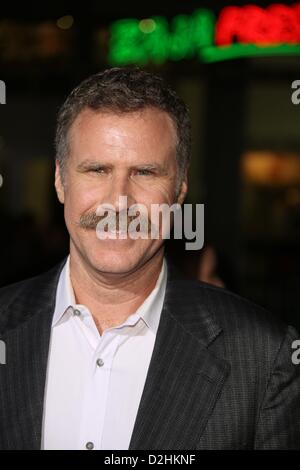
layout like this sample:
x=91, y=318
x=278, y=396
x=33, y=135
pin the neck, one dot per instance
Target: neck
x=111, y=298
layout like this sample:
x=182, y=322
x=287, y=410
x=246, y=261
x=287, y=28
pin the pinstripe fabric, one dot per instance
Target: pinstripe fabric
x=25, y=322
x=220, y=376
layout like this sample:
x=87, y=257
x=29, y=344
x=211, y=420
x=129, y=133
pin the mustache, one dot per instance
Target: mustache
x=122, y=220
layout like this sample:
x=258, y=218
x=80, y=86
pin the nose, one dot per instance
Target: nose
x=120, y=191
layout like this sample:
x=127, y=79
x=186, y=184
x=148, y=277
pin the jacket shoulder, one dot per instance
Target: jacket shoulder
x=21, y=299
x=238, y=317
x=12, y=291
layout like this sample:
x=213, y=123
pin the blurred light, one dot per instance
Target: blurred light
x=271, y=168
x=246, y=31
x=252, y=24
x=65, y=22
x=1, y=181
x=147, y=26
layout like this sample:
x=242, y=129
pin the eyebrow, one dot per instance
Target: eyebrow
x=150, y=166
x=90, y=164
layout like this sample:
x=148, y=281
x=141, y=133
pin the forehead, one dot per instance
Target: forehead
x=140, y=131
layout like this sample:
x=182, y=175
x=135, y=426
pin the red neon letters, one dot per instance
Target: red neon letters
x=251, y=24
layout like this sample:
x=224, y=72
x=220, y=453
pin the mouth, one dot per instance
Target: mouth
x=120, y=233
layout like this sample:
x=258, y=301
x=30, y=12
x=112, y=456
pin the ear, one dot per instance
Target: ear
x=60, y=191
x=183, y=190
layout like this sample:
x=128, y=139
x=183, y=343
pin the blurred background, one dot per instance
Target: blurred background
x=233, y=65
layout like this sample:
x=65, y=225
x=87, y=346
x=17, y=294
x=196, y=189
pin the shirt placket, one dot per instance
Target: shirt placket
x=97, y=389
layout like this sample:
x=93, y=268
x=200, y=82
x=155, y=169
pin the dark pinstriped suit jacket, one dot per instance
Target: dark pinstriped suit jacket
x=220, y=377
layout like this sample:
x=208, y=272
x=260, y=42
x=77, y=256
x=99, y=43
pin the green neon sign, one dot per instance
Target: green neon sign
x=134, y=41
x=188, y=36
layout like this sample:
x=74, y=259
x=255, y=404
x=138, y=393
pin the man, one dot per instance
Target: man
x=112, y=349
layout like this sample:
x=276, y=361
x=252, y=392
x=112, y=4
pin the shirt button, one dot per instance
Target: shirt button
x=99, y=362
x=77, y=313
x=89, y=445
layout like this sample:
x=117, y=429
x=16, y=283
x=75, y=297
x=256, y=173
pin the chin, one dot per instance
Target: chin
x=116, y=256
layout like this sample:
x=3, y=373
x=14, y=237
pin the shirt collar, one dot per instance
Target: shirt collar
x=149, y=311
x=64, y=294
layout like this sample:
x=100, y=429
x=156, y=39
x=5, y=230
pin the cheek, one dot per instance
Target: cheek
x=79, y=200
x=163, y=192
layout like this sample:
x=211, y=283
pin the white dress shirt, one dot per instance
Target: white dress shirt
x=95, y=382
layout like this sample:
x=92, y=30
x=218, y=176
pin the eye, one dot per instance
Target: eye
x=144, y=172
x=99, y=170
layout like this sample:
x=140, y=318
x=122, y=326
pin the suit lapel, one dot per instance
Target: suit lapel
x=23, y=377
x=184, y=379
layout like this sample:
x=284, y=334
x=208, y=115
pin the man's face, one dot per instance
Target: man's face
x=112, y=155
